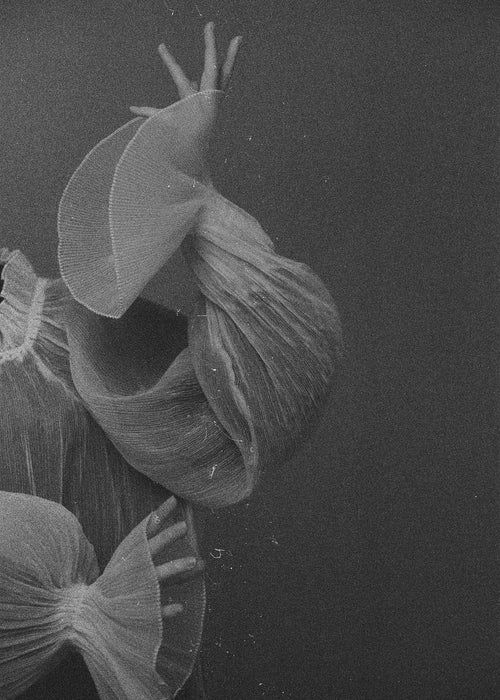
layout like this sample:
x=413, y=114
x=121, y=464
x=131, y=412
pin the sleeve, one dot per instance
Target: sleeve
x=51, y=595
x=264, y=339
x=132, y=200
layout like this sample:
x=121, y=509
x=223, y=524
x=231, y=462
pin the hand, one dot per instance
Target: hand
x=158, y=539
x=213, y=78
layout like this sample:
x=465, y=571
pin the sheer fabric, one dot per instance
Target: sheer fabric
x=110, y=402
x=53, y=454
x=264, y=338
x=51, y=595
x=50, y=445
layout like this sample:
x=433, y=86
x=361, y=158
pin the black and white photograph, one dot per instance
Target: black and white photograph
x=249, y=350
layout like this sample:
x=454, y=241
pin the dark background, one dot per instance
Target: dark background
x=361, y=135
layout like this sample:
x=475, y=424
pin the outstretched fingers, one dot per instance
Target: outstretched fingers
x=159, y=538
x=213, y=77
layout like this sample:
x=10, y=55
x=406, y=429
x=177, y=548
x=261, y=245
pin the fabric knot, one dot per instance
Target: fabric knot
x=71, y=609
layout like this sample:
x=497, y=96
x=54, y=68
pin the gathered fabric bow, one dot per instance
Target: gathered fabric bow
x=51, y=595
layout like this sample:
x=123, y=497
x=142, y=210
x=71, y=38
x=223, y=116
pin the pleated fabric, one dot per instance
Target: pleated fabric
x=50, y=446
x=51, y=596
x=264, y=338
x=130, y=203
x=53, y=450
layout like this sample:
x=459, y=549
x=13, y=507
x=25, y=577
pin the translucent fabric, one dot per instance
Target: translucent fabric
x=131, y=202
x=50, y=446
x=51, y=596
x=264, y=338
x=110, y=402
x=54, y=452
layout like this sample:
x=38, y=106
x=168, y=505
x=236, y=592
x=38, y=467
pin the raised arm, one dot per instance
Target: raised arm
x=264, y=336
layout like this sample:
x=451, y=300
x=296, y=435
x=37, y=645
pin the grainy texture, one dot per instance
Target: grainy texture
x=52, y=593
x=53, y=454
x=264, y=336
x=371, y=125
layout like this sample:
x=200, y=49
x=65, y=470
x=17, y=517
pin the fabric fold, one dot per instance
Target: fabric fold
x=131, y=201
x=263, y=342
x=50, y=445
x=141, y=387
x=51, y=595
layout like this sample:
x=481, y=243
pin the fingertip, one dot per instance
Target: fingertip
x=167, y=507
x=158, y=516
x=209, y=34
x=200, y=567
x=172, y=609
x=235, y=43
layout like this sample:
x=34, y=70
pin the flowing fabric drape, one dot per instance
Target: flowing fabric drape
x=54, y=459
x=51, y=595
x=110, y=402
x=264, y=337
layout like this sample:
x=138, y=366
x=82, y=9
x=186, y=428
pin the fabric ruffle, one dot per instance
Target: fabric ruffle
x=51, y=595
x=50, y=445
x=264, y=339
x=132, y=200
x=23, y=298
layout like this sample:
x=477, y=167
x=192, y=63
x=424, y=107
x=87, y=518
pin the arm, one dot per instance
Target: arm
x=264, y=337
